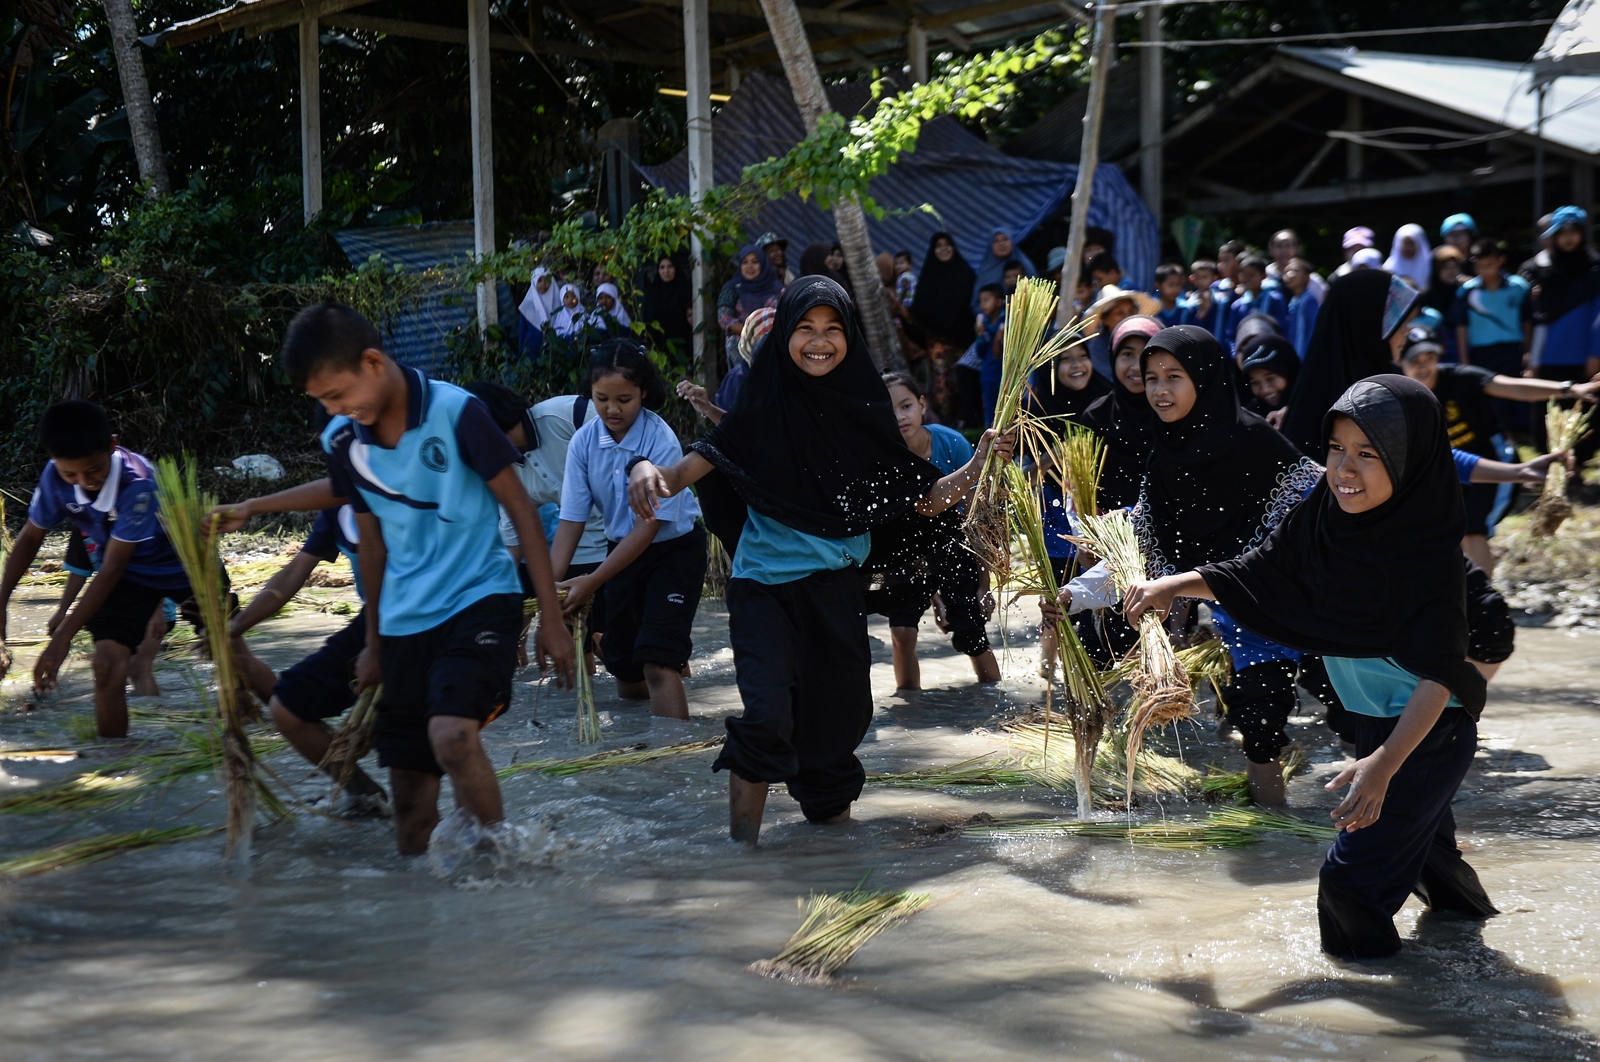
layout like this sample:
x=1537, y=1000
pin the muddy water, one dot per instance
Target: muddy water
x=631, y=942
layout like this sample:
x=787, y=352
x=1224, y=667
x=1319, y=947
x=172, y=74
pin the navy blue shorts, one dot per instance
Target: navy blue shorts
x=318, y=687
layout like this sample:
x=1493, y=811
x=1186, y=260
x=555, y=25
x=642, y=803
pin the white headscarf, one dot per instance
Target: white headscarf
x=620, y=314
x=1418, y=268
x=567, y=322
x=537, y=308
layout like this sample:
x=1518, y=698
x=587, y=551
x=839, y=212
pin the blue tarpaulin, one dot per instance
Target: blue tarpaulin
x=973, y=186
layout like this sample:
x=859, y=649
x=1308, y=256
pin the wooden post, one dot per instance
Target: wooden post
x=310, y=118
x=1152, y=97
x=697, y=79
x=482, y=153
x=1583, y=185
x=917, y=51
x=1105, y=25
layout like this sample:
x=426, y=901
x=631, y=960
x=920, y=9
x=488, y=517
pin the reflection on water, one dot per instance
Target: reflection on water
x=628, y=934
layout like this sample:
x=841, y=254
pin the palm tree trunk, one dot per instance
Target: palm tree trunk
x=800, y=66
x=142, y=127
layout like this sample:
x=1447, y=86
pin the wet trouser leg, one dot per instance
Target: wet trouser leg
x=1412, y=847
x=803, y=665
x=1260, y=699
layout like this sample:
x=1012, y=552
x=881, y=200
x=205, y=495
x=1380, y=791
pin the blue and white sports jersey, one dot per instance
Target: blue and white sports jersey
x=124, y=509
x=430, y=494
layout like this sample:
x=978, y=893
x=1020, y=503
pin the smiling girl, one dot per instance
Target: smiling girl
x=1368, y=572
x=655, y=569
x=1123, y=417
x=813, y=484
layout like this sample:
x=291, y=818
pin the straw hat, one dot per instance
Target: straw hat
x=1142, y=303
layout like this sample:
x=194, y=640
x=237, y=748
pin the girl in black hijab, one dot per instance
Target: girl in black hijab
x=1350, y=342
x=1269, y=368
x=1368, y=573
x=808, y=482
x=1123, y=418
x=814, y=263
x=668, y=299
x=1219, y=478
x=944, y=288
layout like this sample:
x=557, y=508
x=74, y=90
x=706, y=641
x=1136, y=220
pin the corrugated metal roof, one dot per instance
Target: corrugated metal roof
x=974, y=187
x=1479, y=88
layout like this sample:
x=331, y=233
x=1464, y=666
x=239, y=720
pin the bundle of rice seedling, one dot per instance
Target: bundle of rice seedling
x=1207, y=661
x=353, y=739
x=1223, y=828
x=1088, y=709
x=1079, y=458
x=1053, y=765
x=986, y=771
x=1162, y=693
x=95, y=849
x=183, y=509
x=836, y=926
x=611, y=759
x=1233, y=787
x=1564, y=427
x=588, y=717
x=1029, y=312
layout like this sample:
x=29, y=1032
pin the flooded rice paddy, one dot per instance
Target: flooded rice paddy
x=629, y=935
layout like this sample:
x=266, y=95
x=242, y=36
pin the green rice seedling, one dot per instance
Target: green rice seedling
x=1162, y=693
x=835, y=928
x=984, y=771
x=588, y=717
x=1563, y=427
x=183, y=513
x=96, y=849
x=1223, y=828
x=610, y=759
x=1079, y=458
x=1088, y=709
x=1053, y=765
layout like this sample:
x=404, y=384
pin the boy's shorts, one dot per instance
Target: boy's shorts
x=318, y=687
x=125, y=613
x=463, y=667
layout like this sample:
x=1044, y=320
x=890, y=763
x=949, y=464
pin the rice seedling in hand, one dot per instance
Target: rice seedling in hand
x=353, y=739
x=1563, y=427
x=95, y=849
x=610, y=759
x=1078, y=460
x=588, y=717
x=1162, y=693
x=183, y=509
x=1088, y=709
x=1207, y=661
x=835, y=928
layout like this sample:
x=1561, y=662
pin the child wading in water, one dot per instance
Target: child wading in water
x=653, y=575
x=817, y=471
x=954, y=579
x=1367, y=571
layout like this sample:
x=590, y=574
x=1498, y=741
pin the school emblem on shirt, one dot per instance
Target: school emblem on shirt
x=433, y=453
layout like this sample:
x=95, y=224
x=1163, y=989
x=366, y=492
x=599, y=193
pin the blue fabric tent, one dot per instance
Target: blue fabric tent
x=974, y=187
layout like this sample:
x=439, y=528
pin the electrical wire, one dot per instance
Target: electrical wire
x=1352, y=35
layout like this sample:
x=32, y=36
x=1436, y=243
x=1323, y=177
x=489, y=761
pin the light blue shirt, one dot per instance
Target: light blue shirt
x=771, y=552
x=1494, y=316
x=597, y=477
x=950, y=449
x=1375, y=686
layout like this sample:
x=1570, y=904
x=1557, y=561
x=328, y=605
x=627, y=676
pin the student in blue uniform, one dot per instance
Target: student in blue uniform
x=954, y=580
x=108, y=492
x=1368, y=572
x=656, y=568
x=80, y=563
x=813, y=484
x=426, y=469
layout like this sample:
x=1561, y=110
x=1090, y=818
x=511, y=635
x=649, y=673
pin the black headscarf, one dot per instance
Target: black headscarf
x=667, y=305
x=1050, y=398
x=1384, y=583
x=1124, y=420
x=943, y=291
x=1275, y=354
x=1219, y=476
x=814, y=263
x=1571, y=279
x=822, y=454
x=1346, y=345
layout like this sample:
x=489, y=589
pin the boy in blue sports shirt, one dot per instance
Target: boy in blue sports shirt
x=108, y=492
x=426, y=471
x=1493, y=319
x=1253, y=298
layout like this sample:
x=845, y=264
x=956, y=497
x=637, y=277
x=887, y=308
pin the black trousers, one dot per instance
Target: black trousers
x=1260, y=699
x=1411, y=848
x=803, y=664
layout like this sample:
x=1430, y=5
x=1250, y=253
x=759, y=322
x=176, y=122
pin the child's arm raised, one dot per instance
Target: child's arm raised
x=117, y=555
x=952, y=488
x=307, y=497
x=551, y=640
x=648, y=482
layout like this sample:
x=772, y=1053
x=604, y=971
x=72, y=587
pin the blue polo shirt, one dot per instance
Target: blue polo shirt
x=597, y=477
x=335, y=532
x=124, y=509
x=440, y=520
x=1244, y=304
x=950, y=449
x=1493, y=317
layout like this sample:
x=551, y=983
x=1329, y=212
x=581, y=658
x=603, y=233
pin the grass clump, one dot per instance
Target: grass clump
x=610, y=759
x=95, y=849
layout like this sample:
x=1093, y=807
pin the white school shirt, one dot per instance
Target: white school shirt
x=597, y=476
x=543, y=467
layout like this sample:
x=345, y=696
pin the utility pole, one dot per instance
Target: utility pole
x=1105, y=26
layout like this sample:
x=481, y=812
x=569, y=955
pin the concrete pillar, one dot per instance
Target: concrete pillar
x=310, y=119
x=697, y=74
x=482, y=152
x=917, y=51
x=1152, y=97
